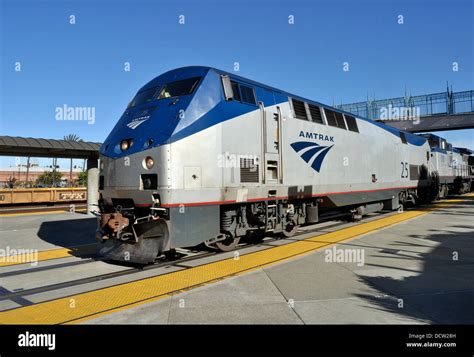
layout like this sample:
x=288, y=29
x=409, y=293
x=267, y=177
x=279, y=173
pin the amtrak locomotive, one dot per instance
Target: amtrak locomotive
x=205, y=156
x=452, y=166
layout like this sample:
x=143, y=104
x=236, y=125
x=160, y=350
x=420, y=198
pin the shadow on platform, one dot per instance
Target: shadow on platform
x=72, y=234
x=443, y=291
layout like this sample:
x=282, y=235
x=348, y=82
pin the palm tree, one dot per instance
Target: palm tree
x=71, y=137
x=27, y=169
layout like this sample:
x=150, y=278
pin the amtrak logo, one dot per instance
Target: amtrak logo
x=316, y=136
x=137, y=121
x=310, y=151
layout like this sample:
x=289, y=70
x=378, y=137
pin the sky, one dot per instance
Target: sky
x=75, y=53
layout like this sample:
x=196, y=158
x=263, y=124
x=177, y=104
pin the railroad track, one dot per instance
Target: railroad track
x=182, y=256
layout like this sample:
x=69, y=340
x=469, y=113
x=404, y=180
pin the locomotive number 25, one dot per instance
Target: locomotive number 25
x=404, y=169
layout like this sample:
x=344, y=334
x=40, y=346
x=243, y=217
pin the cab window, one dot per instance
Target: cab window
x=143, y=97
x=243, y=93
x=178, y=88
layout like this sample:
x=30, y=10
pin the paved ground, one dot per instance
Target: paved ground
x=419, y=271
x=47, y=230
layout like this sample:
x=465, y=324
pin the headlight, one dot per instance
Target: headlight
x=149, y=163
x=125, y=144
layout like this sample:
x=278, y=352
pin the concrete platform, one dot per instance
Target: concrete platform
x=408, y=277
x=418, y=271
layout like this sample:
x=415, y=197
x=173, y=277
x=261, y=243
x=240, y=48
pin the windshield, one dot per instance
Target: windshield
x=178, y=88
x=144, y=97
x=169, y=90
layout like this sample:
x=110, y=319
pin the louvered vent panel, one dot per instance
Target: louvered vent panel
x=248, y=170
x=340, y=120
x=330, y=117
x=315, y=113
x=300, y=110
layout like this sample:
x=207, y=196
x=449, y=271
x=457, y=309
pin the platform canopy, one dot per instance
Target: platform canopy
x=37, y=147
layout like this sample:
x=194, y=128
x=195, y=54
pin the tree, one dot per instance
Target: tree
x=71, y=137
x=82, y=178
x=48, y=177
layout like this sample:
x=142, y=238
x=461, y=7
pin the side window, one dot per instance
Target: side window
x=299, y=109
x=247, y=94
x=235, y=89
x=351, y=123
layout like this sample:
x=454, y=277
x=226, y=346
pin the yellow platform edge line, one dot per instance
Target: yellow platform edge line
x=88, y=305
x=138, y=303
x=40, y=213
x=65, y=252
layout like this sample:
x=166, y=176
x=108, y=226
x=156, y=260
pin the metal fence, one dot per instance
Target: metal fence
x=424, y=105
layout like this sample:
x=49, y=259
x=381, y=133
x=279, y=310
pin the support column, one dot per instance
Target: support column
x=92, y=185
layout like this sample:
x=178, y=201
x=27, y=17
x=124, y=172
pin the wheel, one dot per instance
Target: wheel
x=290, y=230
x=227, y=244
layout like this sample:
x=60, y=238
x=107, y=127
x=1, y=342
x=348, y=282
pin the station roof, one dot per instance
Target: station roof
x=37, y=147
